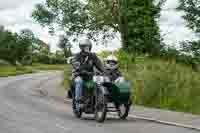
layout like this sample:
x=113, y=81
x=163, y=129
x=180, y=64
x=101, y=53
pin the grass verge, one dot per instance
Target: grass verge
x=47, y=67
x=13, y=71
x=165, y=85
x=18, y=70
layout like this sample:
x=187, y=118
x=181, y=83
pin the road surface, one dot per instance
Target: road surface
x=23, y=111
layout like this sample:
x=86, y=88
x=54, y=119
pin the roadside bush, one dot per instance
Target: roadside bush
x=4, y=63
x=48, y=59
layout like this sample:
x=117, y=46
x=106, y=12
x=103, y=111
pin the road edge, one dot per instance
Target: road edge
x=67, y=101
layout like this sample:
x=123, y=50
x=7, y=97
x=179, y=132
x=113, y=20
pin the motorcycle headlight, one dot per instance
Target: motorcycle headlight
x=98, y=79
x=106, y=79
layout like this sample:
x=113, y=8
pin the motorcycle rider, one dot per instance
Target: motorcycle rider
x=111, y=66
x=84, y=62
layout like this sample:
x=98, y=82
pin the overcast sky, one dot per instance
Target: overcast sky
x=15, y=15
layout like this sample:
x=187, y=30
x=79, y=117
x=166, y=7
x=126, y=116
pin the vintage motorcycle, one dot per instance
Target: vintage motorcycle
x=101, y=95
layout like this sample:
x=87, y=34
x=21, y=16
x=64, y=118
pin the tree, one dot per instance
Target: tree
x=15, y=47
x=144, y=32
x=65, y=45
x=101, y=19
x=26, y=48
x=8, y=47
x=191, y=9
x=193, y=50
x=192, y=47
x=38, y=45
x=27, y=34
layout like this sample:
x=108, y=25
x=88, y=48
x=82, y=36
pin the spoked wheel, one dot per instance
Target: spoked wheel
x=78, y=114
x=123, y=111
x=101, y=107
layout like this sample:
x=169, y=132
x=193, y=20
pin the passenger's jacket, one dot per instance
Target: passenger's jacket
x=113, y=74
x=86, y=62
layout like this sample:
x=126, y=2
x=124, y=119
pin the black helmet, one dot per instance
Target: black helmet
x=85, y=43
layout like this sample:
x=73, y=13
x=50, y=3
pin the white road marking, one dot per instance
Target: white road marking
x=165, y=122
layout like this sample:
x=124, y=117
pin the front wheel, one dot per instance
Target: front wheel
x=123, y=111
x=100, y=107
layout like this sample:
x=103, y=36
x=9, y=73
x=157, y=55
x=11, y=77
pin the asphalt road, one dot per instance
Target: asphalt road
x=23, y=111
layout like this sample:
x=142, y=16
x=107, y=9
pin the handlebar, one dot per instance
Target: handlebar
x=87, y=73
x=93, y=73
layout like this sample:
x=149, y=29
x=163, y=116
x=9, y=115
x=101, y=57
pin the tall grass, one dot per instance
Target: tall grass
x=164, y=84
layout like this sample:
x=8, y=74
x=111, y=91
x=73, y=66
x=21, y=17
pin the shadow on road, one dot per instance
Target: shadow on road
x=110, y=119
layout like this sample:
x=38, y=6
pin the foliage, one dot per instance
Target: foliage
x=12, y=46
x=4, y=63
x=143, y=31
x=193, y=50
x=42, y=56
x=192, y=47
x=104, y=54
x=65, y=45
x=46, y=57
x=20, y=47
x=135, y=20
x=169, y=53
x=25, y=48
x=100, y=20
x=27, y=34
x=163, y=84
x=192, y=16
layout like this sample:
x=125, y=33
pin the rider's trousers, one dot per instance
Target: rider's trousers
x=78, y=88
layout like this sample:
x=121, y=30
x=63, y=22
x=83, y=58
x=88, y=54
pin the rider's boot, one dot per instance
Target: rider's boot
x=80, y=103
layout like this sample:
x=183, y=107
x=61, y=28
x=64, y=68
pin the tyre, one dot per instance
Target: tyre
x=100, y=107
x=69, y=94
x=123, y=111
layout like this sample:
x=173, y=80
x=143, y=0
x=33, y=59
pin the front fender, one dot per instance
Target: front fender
x=104, y=90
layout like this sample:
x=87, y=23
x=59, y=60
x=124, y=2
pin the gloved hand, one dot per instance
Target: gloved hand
x=105, y=73
x=84, y=72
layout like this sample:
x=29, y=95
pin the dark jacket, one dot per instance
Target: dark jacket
x=86, y=62
x=113, y=74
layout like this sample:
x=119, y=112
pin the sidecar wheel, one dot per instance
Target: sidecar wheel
x=123, y=111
